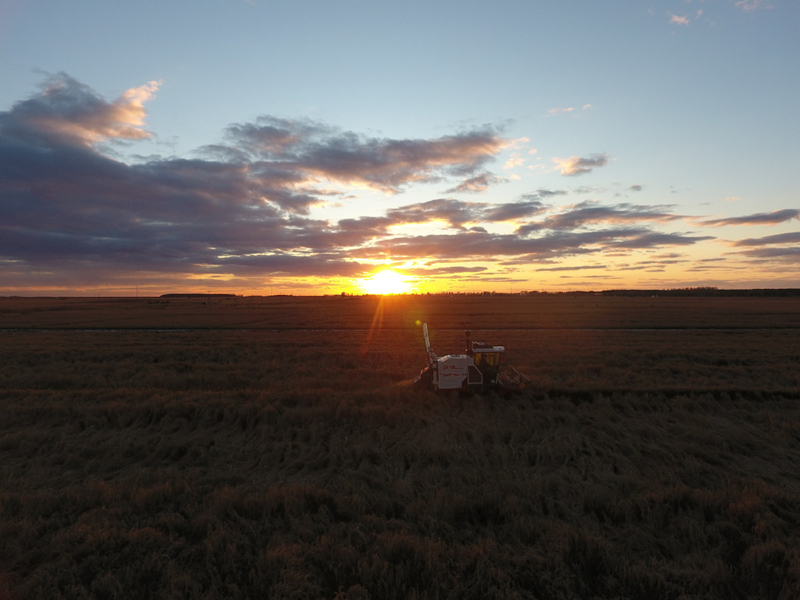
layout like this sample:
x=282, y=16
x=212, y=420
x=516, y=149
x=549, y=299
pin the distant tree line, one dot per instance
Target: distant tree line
x=706, y=291
x=677, y=292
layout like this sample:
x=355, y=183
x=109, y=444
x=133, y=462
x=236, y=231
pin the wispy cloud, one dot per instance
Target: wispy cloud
x=781, y=238
x=676, y=20
x=789, y=254
x=477, y=245
x=479, y=183
x=590, y=212
x=543, y=193
x=515, y=160
x=574, y=268
x=751, y=5
x=559, y=110
x=657, y=240
x=432, y=271
x=771, y=218
x=457, y=213
x=577, y=165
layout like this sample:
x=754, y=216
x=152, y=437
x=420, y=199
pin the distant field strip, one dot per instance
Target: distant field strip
x=361, y=330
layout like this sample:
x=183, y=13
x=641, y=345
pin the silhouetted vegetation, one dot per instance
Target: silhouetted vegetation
x=301, y=464
x=708, y=292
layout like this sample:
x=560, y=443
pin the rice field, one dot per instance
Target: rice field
x=274, y=447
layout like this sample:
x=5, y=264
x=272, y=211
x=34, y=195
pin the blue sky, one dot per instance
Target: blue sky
x=471, y=146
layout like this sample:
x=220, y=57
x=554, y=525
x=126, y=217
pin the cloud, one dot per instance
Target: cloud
x=471, y=245
x=576, y=165
x=454, y=270
x=644, y=265
x=492, y=279
x=772, y=218
x=454, y=212
x=68, y=112
x=558, y=235
x=654, y=240
x=788, y=254
x=279, y=263
x=566, y=110
x=515, y=160
x=457, y=213
x=479, y=183
x=544, y=193
x=676, y=20
x=635, y=188
x=512, y=211
x=751, y=5
x=781, y=238
x=575, y=268
x=591, y=212
x=319, y=152
x=241, y=206
x=71, y=214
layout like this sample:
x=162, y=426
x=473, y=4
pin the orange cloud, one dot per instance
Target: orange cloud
x=514, y=161
x=577, y=165
x=69, y=111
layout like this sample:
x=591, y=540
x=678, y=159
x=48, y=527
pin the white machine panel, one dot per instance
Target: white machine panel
x=453, y=370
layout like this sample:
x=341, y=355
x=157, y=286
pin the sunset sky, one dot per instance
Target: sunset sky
x=261, y=147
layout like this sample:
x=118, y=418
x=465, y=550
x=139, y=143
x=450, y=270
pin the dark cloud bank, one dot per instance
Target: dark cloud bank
x=70, y=211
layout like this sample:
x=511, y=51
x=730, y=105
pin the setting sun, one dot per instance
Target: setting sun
x=386, y=282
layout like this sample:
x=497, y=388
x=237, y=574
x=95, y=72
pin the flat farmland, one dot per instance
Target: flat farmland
x=535, y=311
x=274, y=447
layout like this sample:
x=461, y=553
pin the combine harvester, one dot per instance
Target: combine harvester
x=477, y=370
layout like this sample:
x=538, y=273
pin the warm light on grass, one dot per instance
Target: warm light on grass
x=386, y=282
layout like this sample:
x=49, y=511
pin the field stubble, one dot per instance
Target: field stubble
x=189, y=464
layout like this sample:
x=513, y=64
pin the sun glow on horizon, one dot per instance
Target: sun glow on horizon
x=386, y=282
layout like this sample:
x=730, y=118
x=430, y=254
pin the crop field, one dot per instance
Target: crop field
x=276, y=448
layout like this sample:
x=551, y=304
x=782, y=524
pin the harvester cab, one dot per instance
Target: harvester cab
x=477, y=370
